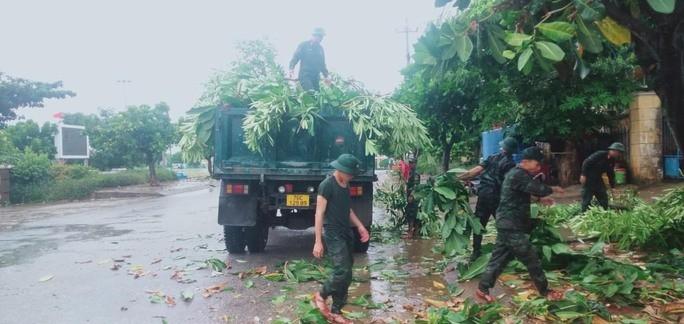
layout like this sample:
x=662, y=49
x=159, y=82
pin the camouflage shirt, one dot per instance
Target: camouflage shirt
x=311, y=58
x=495, y=168
x=514, y=209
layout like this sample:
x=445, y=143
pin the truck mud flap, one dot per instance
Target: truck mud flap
x=237, y=211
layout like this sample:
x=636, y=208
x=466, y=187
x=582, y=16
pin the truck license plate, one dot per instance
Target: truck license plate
x=297, y=201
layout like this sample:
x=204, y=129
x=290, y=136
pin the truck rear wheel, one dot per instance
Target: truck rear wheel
x=234, y=236
x=360, y=247
x=257, y=236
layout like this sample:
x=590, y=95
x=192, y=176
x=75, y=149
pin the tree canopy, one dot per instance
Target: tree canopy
x=28, y=135
x=18, y=93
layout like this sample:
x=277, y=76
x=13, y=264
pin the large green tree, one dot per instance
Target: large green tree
x=563, y=37
x=139, y=135
x=29, y=135
x=18, y=93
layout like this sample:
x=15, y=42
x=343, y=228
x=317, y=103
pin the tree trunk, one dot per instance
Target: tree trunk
x=210, y=166
x=447, y=146
x=153, y=171
x=670, y=88
x=568, y=168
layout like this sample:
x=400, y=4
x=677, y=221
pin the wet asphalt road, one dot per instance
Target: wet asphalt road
x=76, y=245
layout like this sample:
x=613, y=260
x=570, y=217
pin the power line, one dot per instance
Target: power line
x=406, y=31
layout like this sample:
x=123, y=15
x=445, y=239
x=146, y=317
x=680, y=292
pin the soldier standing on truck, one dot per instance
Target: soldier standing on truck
x=311, y=59
x=592, y=169
x=333, y=225
x=514, y=225
x=491, y=172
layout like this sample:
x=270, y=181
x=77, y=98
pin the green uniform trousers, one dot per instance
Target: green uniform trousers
x=486, y=207
x=339, y=245
x=510, y=245
x=589, y=191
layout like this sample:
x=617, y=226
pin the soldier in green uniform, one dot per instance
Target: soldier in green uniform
x=514, y=225
x=311, y=59
x=411, y=210
x=491, y=172
x=333, y=225
x=592, y=168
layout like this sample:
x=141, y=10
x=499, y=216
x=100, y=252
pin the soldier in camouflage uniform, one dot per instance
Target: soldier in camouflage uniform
x=514, y=225
x=333, y=222
x=491, y=172
x=592, y=168
x=311, y=59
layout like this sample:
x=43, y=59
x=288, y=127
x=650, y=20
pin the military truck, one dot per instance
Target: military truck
x=278, y=186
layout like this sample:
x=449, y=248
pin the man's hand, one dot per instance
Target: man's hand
x=363, y=233
x=547, y=201
x=583, y=179
x=318, y=250
x=557, y=189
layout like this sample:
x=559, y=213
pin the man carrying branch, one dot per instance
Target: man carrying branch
x=333, y=223
x=514, y=225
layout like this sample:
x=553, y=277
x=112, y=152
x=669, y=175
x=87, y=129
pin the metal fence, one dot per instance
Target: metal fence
x=669, y=145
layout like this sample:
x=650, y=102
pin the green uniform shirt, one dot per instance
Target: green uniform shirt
x=595, y=165
x=514, y=209
x=339, y=203
x=311, y=59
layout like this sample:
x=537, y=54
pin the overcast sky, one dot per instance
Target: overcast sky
x=168, y=49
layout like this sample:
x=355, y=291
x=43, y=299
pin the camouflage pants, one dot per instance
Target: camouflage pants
x=486, y=207
x=589, y=191
x=310, y=82
x=339, y=245
x=509, y=245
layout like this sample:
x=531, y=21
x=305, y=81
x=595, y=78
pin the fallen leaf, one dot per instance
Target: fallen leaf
x=84, y=261
x=508, y=277
x=408, y=308
x=46, y=278
x=598, y=320
x=240, y=261
x=115, y=267
x=176, y=250
x=435, y=303
x=157, y=298
x=249, y=284
x=438, y=285
x=124, y=308
x=170, y=301
x=187, y=295
x=156, y=261
x=211, y=290
x=225, y=318
x=261, y=270
x=674, y=308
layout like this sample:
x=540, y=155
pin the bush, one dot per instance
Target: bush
x=30, y=168
x=73, y=182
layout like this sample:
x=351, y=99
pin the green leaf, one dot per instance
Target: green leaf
x=508, y=54
x=611, y=290
x=561, y=248
x=662, y=6
x=557, y=31
x=446, y=192
x=497, y=47
x=524, y=58
x=550, y=51
x=517, y=39
x=187, y=295
x=249, y=283
x=568, y=315
x=590, y=10
x=589, y=38
x=546, y=250
x=476, y=268
x=464, y=46
x=279, y=299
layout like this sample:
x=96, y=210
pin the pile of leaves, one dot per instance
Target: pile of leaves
x=444, y=209
x=468, y=312
x=393, y=197
x=657, y=225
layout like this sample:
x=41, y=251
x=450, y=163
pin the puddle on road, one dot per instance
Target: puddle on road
x=33, y=241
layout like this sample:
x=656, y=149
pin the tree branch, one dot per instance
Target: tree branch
x=640, y=31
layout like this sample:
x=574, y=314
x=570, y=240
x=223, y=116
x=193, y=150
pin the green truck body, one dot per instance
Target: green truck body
x=277, y=187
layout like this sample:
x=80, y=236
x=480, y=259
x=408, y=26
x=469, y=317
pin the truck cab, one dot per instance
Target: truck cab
x=278, y=186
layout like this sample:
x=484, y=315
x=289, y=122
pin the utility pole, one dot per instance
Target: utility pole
x=406, y=31
x=124, y=84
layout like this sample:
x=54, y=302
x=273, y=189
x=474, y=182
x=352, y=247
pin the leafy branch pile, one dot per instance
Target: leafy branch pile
x=444, y=208
x=393, y=198
x=657, y=225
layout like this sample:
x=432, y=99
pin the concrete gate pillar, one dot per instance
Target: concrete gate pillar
x=645, y=138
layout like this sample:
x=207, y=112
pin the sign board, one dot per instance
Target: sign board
x=72, y=142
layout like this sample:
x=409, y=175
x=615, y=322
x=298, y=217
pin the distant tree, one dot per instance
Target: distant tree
x=8, y=152
x=138, y=135
x=28, y=135
x=18, y=93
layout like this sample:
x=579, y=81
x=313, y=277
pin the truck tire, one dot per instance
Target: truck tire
x=360, y=247
x=234, y=237
x=256, y=237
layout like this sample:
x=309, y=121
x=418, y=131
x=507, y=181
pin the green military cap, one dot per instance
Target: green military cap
x=318, y=31
x=347, y=163
x=617, y=146
x=533, y=153
x=509, y=144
